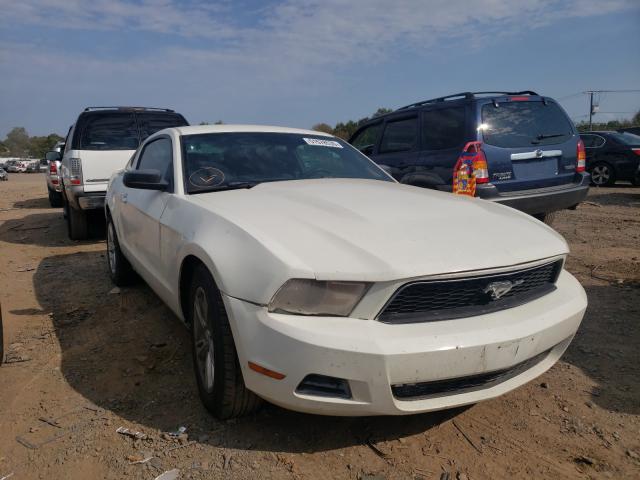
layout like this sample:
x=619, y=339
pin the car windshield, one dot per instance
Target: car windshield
x=217, y=161
x=626, y=138
x=522, y=124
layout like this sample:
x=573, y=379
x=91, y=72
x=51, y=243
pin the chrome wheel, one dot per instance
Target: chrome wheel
x=111, y=248
x=203, y=337
x=601, y=174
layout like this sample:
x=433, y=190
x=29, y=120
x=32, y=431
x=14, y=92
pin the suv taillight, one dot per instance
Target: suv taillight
x=53, y=168
x=471, y=169
x=581, y=164
x=75, y=171
x=636, y=151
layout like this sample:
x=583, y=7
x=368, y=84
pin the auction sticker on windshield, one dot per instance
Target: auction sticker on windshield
x=322, y=143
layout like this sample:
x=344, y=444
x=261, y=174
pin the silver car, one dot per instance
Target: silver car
x=4, y=176
x=52, y=175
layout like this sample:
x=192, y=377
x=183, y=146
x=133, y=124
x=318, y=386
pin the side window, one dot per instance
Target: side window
x=588, y=140
x=67, y=141
x=598, y=141
x=400, y=135
x=158, y=155
x=367, y=138
x=150, y=123
x=443, y=128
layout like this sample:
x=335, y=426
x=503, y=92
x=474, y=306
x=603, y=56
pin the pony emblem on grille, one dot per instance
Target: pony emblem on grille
x=500, y=289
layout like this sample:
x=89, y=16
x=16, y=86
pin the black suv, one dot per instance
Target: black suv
x=535, y=161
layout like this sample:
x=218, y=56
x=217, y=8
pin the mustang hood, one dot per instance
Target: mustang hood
x=377, y=231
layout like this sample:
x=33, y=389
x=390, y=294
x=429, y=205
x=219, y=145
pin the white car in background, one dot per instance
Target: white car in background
x=312, y=279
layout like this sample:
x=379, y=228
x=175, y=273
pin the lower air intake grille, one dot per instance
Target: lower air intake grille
x=440, y=388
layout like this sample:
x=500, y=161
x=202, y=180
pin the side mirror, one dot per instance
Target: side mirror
x=53, y=156
x=387, y=169
x=145, y=180
x=366, y=149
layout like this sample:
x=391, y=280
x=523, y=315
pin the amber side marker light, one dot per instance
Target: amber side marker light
x=265, y=371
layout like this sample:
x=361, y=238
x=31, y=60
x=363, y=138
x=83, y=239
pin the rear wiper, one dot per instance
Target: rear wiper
x=551, y=135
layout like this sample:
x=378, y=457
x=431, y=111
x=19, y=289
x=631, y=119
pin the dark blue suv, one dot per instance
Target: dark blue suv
x=535, y=160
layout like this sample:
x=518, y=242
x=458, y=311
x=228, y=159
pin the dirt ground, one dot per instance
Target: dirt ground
x=83, y=361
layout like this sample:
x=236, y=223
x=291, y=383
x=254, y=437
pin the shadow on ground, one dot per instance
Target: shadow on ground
x=129, y=354
x=607, y=342
x=618, y=195
x=48, y=229
x=38, y=202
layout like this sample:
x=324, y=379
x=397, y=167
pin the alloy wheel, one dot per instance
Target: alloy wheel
x=203, y=339
x=600, y=174
x=111, y=248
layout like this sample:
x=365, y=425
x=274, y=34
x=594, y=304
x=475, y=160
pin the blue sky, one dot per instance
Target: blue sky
x=300, y=62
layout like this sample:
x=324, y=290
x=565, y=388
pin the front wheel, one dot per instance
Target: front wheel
x=603, y=175
x=120, y=269
x=218, y=373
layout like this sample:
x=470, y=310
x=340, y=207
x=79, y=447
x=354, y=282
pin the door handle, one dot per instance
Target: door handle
x=123, y=197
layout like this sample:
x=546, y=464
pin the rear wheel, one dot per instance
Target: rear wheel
x=55, y=199
x=603, y=174
x=77, y=224
x=218, y=373
x=120, y=269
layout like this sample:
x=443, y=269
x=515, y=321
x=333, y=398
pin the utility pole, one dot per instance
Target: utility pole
x=590, y=111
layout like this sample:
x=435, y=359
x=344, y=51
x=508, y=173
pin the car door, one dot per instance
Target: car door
x=142, y=209
x=399, y=145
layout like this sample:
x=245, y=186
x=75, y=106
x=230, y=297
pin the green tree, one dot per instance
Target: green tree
x=322, y=127
x=17, y=142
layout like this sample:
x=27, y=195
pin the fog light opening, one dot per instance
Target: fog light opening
x=324, y=386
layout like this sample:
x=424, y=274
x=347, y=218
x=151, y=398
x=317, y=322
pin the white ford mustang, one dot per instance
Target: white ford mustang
x=312, y=279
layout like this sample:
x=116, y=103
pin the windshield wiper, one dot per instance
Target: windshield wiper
x=227, y=186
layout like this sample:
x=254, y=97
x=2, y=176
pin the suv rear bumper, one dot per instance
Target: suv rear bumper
x=81, y=200
x=542, y=200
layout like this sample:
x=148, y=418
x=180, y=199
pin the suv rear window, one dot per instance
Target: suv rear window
x=522, y=124
x=150, y=123
x=400, y=135
x=110, y=131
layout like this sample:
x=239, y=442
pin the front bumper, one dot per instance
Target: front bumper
x=539, y=201
x=373, y=356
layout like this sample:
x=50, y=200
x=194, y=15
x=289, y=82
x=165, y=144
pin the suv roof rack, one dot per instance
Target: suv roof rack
x=91, y=109
x=466, y=96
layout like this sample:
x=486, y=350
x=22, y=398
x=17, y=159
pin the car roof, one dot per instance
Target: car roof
x=199, y=129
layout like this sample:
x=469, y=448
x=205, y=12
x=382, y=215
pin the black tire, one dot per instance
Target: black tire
x=547, y=218
x=120, y=270
x=77, y=224
x=602, y=174
x=220, y=383
x=55, y=199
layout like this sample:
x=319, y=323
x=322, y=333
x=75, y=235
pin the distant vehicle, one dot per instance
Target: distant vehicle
x=4, y=176
x=102, y=141
x=312, y=279
x=634, y=130
x=527, y=150
x=11, y=166
x=33, y=166
x=612, y=156
x=52, y=175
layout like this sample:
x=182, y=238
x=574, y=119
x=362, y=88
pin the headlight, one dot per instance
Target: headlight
x=313, y=297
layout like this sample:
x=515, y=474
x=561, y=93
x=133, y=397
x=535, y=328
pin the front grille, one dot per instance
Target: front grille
x=426, y=301
x=456, y=386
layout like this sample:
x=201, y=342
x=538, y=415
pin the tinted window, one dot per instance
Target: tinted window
x=367, y=139
x=110, y=131
x=400, y=135
x=522, y=124
x=443, y=128
x=157, y=155
x=588, y=140
x=150, y=123
x=626, y=138
x=216, y=160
